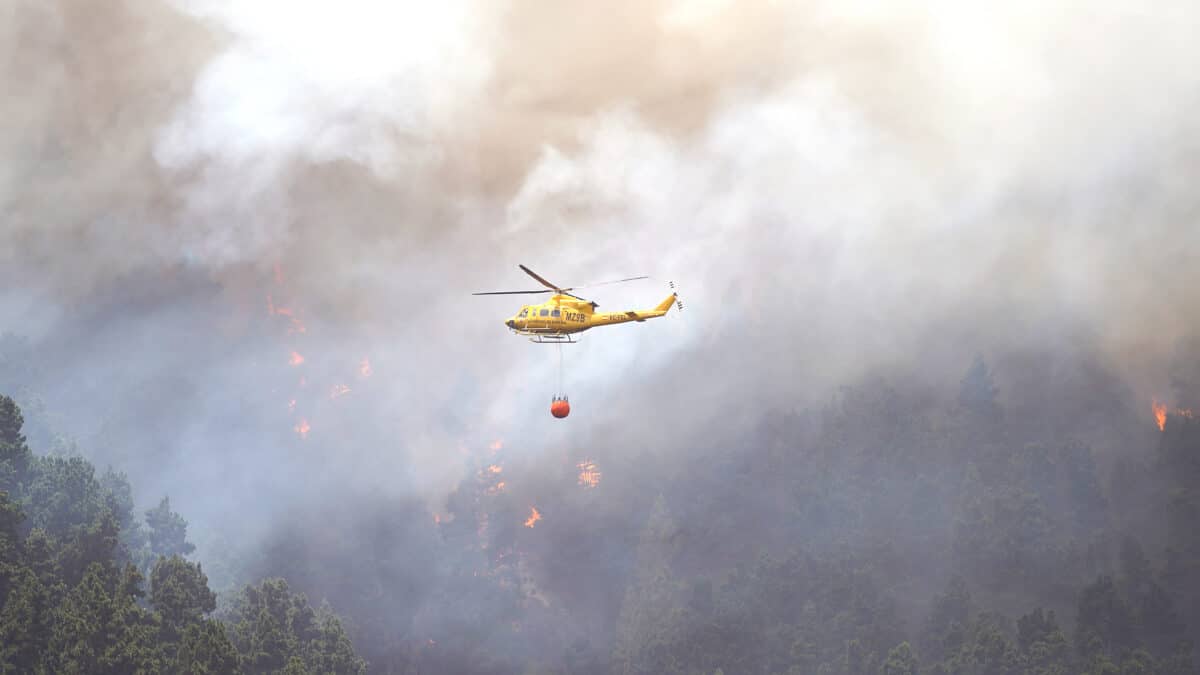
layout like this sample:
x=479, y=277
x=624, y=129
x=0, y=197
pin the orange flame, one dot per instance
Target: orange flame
x=294, y=324
x=364, y=368
x=295, y=359
x=1160, y=414
x=302, y=428
x=534, y=516
x=339, y=390
x=589, y=473
x=494, y=469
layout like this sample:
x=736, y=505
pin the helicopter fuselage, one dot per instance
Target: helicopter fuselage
x=564, y=315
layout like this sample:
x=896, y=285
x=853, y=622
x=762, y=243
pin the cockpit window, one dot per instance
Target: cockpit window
x=545, y=312
x=524, y=312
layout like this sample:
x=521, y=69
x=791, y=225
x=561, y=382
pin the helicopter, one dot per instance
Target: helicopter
x=565, y=314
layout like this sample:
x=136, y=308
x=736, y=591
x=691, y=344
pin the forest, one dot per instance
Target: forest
x=89, y=586
x=901, y=528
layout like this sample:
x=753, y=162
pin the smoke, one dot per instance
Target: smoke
x=836, y=187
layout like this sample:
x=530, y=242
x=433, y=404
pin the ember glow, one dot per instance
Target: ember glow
x=295, y=359
x=302, y=428
x=494, y=469
x=534, y=516
x=339, y=390
x=589, y=473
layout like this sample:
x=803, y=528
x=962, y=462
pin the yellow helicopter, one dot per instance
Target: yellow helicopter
x=564, y=314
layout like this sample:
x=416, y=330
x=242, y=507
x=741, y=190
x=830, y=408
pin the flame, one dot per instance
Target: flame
x=364, y=368
x=302, y=428
x=495, y=469
x=534, y=516
x=339, y=390
x=437, y=519
x=295, y=359
x=589, y=473
x=496, y=445
x=1160, y=414
x=294, y=324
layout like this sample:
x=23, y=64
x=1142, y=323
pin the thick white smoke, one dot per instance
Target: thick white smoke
x=836, y=186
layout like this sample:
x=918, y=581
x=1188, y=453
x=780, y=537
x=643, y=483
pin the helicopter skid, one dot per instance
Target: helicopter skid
x=553, y=338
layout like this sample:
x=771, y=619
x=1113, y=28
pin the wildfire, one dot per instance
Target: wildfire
x=295, y=359
x=496, y=489
x=534, y=516
x=302, y=428
x=339, y=390
x=496, y=445
x=294, y=324
x=1160, y=413
x=494, y=469
x=364, y=368
x=589, y=473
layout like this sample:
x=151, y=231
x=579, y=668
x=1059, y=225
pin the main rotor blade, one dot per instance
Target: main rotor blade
x=531, y=273
x=605, y=283
x=510, y=292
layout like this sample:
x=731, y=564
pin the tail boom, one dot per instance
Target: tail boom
x=609, y=318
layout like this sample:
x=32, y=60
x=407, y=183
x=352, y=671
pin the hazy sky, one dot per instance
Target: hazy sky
x=835, y=186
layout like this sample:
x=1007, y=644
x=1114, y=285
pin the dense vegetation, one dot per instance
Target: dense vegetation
x=903, y=529
x=74, y=597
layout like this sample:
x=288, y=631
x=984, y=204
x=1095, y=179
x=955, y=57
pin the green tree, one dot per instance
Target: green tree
x=25, y=623
x=99, y=628
x=977, y=391
x=15, y=457
x=1105, y=623
x=900, y=661
x=205, y=649
x=179, y=593
x=118, y=497
x=274, y=629
x=168, y=531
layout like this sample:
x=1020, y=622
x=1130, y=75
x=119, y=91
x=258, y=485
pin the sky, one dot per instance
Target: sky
x=835, y=188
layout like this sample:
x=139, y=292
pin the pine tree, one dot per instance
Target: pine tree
x=168, y=531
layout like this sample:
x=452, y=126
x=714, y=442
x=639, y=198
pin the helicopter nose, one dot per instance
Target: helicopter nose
x=510, y=323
